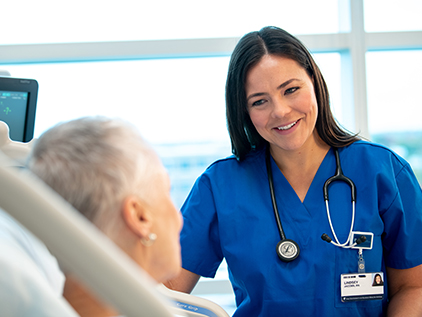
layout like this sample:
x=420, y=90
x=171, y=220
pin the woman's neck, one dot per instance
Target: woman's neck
x=300, y=166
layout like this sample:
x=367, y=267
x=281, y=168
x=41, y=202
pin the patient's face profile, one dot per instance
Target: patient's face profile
x=107, y=172
x=167, y=225
x=114, y=167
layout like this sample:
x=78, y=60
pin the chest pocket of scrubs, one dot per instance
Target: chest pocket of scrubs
x=347, y=262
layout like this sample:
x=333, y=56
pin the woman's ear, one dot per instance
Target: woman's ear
x=136, y=216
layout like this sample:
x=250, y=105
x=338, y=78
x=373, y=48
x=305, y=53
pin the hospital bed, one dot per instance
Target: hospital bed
x=111, y=274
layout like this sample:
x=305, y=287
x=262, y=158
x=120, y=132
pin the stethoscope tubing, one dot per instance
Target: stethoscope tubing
x=338, y=176
x=346, y=244
x=273, y=200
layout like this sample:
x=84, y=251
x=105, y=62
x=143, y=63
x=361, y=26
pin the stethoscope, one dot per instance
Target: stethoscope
x=287, y=249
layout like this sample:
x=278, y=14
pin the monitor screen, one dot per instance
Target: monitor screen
x=18, y=98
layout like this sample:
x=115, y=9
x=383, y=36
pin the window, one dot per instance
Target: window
x=178, y=104
x=181, y=95
x=394, y=104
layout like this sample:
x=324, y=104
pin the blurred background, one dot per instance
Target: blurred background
x=162, y=65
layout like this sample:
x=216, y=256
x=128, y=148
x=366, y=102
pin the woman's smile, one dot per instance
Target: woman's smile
x=288, y=126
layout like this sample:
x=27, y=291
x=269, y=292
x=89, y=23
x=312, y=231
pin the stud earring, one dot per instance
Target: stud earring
x=150, y=241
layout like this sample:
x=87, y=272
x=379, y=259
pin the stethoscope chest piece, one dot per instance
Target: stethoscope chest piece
x=287, y=250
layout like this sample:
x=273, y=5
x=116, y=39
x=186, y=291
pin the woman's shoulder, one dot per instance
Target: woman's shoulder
x=230, y=166
x=370, y=155
x=370, y=150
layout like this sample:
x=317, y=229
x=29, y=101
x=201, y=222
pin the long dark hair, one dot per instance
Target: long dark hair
x=247, y=53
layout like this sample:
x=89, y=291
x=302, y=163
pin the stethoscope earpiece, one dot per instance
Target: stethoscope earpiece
x=325, y=237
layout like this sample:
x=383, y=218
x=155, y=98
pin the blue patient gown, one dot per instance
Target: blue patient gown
x=228, y=214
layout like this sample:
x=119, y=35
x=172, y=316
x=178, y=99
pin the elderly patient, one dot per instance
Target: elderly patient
x=107, y=171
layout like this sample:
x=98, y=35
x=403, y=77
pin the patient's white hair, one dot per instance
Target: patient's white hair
x=94, y=163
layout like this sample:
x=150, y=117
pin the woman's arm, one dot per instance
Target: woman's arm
x=405, y=292
x=184, y=282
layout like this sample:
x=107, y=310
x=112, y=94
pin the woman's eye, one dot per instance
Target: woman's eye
x=258, y=102
x=291, y=90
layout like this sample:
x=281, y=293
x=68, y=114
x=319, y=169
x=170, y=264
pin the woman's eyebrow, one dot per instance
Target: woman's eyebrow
x=258, y=94
x=286, y=83
x=255, y=95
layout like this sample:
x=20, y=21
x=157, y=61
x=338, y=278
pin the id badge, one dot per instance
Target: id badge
x=362, y=286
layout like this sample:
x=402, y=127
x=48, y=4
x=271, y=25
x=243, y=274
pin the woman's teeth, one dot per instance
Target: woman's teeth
x=286, y=127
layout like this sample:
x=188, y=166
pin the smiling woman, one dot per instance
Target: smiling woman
x=281, y=99
x=278, y=116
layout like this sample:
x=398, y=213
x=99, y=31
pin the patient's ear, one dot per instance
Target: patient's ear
x=136, y=216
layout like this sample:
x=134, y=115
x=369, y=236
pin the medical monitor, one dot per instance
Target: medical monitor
x=18, y=101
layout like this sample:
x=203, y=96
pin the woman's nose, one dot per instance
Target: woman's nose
x=281, y=107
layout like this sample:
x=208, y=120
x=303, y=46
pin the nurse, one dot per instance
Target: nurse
x=278, y=107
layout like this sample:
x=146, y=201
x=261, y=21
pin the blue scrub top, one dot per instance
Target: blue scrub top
x=228, y=214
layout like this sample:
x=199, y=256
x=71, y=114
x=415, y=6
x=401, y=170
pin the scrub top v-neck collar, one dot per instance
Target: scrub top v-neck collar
x=297, y=216
x=321, y=175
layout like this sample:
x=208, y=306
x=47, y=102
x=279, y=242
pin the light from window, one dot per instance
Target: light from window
x=394, y=103
x=170, y=100
x=49, y=21
x=392, y=15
